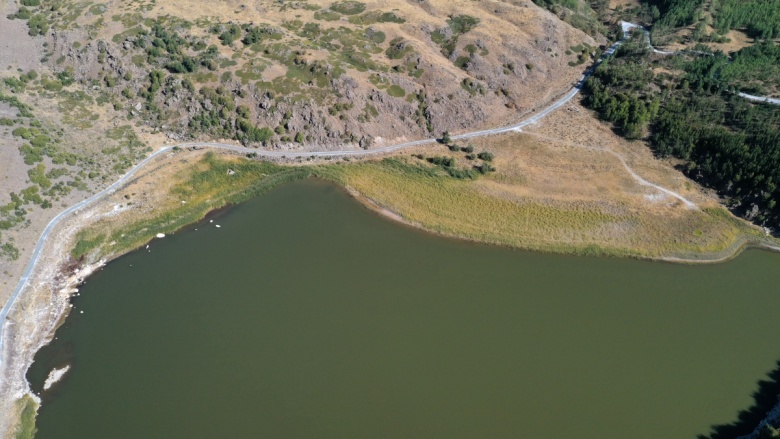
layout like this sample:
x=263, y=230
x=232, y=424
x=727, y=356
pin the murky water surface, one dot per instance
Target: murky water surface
x=306, y=316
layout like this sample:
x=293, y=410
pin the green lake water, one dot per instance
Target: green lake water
x=307, y=316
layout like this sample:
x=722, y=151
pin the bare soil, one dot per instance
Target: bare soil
x=17, y=49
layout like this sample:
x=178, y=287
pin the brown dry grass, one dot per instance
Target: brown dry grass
x=738, y=40
x=494, y=211
x=560, y=188
x=577, y=127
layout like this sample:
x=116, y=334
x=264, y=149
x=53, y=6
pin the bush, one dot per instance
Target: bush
x=29, y=76
x=175, y=67
x=22, y=14
x=11, y=252
x=66, y=77
x=396, y=91
x=348, y=7
x=485, y=156
x=38, y=25
x=460, y=24
x=398, y=49
x=485, y=168
x=22, y=132
x=461, y=174
x=230, y=34
x=446, y=162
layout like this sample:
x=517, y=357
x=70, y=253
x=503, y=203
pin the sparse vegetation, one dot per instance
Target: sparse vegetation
x=575, y=12
x=26, y=428
x=457, y=25
x=348, y=7
x=208, y=186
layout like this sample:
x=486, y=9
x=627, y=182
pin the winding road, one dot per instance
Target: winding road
x=23, y=281
x=627, y=27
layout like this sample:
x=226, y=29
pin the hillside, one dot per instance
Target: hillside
x=89, y=89
x=321, y=73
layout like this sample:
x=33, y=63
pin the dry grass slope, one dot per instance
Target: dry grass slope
x=494, y=211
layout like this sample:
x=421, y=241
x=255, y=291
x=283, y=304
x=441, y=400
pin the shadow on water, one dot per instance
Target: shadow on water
x=764, y=399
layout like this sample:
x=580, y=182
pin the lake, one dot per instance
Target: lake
x=306, y=315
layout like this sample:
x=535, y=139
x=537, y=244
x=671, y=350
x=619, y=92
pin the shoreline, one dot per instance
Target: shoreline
x=733, y=252
x=53, y=312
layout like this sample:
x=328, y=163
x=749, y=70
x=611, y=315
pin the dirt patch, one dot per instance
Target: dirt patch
x=577, y=127
x=738, y=40
x=17, y=49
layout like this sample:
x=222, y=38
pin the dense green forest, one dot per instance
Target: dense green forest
x=677, y=13
x=754, y=69
x=760, y=18
x=725, y=142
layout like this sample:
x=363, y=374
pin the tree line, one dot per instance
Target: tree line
x=726, y=142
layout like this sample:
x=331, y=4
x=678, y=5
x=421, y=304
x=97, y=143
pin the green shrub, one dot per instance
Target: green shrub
x=85, y=245
x=38, y=176
x=22, y=132
x=460, y=24
x=485, y=156
x=230, y=34
x=396, y=91
x=398, y=49
x=485, y=168
x=38, y=25
x=348, y=7
x=10, y=252
x=326, y=15
x=445, y=162
x=22, y=14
